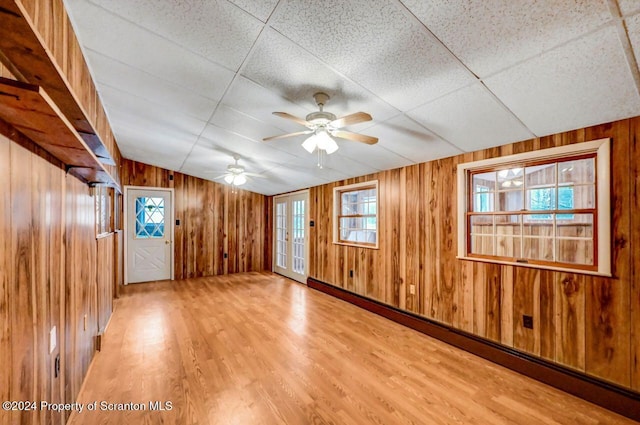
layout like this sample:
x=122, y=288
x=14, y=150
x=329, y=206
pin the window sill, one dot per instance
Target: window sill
x=536, y=266
x=357, y=245
x=104, y=235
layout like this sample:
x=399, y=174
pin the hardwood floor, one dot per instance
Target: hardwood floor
x=256, y=348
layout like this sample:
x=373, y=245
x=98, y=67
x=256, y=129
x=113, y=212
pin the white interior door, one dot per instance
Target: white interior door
x=291, y=235
x=149, y=234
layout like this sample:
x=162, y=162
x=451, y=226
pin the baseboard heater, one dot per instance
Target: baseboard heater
x=610, y=396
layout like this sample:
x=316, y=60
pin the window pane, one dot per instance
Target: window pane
x=538, y=249
x=578, y=171
x=510, y=178
x=510, y=200
x=149, y=217
x=508, y=225
x=541, y=175
x=483, y=202
x=508, y=246
x=583, y=196
x=542, y=199
x=533, y=227
x=482, y=245
x=485, y=182
x=579, y=226
x=482, y=224
x=575, y=251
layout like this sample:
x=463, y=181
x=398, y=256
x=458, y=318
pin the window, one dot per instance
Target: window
x=102, y=196
x=149, y=217
x=547, y=209
x=356, y=214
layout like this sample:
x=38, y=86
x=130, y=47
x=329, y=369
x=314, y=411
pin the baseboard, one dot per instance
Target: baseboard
x=596, y=391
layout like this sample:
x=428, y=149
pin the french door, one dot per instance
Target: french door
x=291, y=235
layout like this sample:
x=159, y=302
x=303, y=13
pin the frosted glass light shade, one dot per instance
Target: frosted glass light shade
x=240, y=180
x=229, y=178
x=320, y=140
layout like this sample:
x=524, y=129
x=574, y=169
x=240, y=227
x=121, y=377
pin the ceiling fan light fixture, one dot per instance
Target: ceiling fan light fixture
x=229, y=178
x=239, y=180
x=310, y=144
x=326, y=142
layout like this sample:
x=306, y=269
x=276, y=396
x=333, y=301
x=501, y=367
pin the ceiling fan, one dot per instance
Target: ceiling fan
x=236, y=175
x=322, y=125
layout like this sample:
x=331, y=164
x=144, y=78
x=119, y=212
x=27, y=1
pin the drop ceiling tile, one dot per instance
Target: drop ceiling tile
x=141, y=84
x=252, y=99
x=243, y=124
x=336, y=166
x=498, y=34
x=471, y=119
x=410, y=140
x=294, y=74
x=374, y=156
x=121, y=40
x=263, y=155
x=125, y=108
x=261, y=9
x=376, y=44
x=633, y=29
x=195, y=25
x=629, y=7
x=583, y=83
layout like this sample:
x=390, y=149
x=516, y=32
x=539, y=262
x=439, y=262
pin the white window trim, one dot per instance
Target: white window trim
x=336, y=213
x=601, y=148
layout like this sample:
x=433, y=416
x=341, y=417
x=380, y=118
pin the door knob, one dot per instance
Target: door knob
x=167, y=242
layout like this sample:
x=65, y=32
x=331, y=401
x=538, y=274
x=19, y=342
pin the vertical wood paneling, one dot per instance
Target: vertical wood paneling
x=570, y=291
x=634, y=249
x=584, y=322
x=213, y=222
x=23, y=373
x=6, y=279
x=608, y=303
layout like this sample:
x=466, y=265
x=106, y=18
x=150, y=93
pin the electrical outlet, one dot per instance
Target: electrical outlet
x=527, y=321
x=412, y=289
x=85, y=322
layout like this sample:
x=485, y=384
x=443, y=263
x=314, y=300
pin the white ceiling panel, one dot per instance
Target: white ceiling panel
x=149, y=87
x=405, y=137
x=252, y=99
x=498, y=34
x=633, y=29
x=266, y=154
x=629, y=7
x=583, y=83
x=471, y=119
x=283, y=67
x=121, y=40
x=376, y=44
x=243, y=124
x=156, y=119
x=261, y=9
x=194, y=24
x=374, y=156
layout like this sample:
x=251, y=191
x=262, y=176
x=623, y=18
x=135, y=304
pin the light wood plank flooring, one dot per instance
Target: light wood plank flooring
x=260, y=349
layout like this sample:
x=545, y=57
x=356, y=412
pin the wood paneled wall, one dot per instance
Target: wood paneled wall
x=591, y=324
x=48, y=277
x=213, y=222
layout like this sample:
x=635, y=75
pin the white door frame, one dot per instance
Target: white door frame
x=304, y=192
x=126, y=225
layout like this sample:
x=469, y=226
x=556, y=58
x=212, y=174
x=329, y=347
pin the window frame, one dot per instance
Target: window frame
x=598, y=149
x=337, y=209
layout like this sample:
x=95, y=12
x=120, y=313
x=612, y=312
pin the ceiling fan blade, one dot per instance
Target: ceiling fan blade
x=355, y=137
x=283, y=136
x=356, y=118
x=293, y=118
